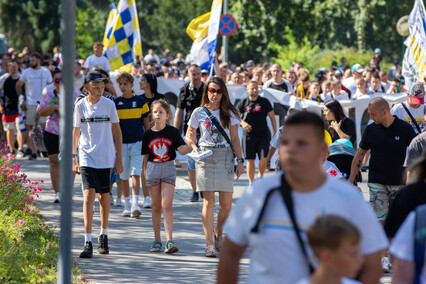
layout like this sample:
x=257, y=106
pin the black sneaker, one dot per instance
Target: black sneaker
x=103, y=244
x=194, y=197
x=32, y=157
x=87, y=251
x=28, y=152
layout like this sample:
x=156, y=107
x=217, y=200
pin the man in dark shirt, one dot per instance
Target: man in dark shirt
x=9, y=105
x=256, y=136
x=387, y=138
x=190, y=98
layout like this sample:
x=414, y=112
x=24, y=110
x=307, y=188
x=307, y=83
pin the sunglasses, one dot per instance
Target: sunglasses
x=214, y=91
x=57, y=81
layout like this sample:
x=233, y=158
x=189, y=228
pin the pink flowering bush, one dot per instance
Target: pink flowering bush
x=28, y=248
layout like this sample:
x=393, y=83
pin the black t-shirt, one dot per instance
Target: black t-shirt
x=406, y=200
x=189, y=99
x=388, y=148
x=149, y=101
x=10, y=96
x=281, y=87
x=161, y=145
x=348, y=127
x=254, y=113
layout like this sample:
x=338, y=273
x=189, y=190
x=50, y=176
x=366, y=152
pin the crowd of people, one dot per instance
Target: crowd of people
x=130, y=137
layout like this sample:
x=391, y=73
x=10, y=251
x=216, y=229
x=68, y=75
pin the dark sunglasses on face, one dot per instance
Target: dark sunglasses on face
x=214, y=91
x=57, y=81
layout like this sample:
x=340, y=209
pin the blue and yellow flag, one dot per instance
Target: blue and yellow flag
x=122, y=42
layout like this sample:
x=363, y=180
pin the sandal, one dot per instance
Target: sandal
x=218, y=241
x=171, y=247
x=210, y=251
x=156, y=246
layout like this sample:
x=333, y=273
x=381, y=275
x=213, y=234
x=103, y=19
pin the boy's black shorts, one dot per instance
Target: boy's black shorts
x=99, y=179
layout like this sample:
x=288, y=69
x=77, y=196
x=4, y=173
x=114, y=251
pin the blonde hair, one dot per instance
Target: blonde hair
x=336, y=82
x=125, y=76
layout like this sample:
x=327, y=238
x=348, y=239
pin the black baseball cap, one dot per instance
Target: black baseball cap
x=94, y=76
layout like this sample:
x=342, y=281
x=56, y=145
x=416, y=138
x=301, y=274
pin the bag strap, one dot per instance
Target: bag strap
x=218, y=126
x=285, y=191
x=412, y=118
x=419, y=241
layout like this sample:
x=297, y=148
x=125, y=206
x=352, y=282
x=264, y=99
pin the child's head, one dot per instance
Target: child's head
x=337, y=86
x=336, y=243
x=375, y=81
x=326, y=86
x=304, y=77
x=160, y=112
x=360, y=84
x=314, y=89
x=98, y=48
x=125, y=82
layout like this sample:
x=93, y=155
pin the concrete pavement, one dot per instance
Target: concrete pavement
x=129, y=260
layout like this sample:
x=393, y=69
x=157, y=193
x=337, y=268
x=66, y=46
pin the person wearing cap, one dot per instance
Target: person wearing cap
x=412, y=111
x=278, y=82
x=387, y=139
x=96, y=150
x=204, y=75
x=250, y=67
x=339, y=76
x=170, y=73
x=350, y=83
x=190, y=96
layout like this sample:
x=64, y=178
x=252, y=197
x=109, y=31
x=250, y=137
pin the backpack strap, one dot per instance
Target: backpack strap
x=419, y=241
x=219, y=127
x=285, y=192
x=412, y=118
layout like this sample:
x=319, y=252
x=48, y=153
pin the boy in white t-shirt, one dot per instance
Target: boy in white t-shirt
x=336, y=243
x=336, y=93
x=261, y=220
x=97, y=60
x=96, y=137
x=361, y=89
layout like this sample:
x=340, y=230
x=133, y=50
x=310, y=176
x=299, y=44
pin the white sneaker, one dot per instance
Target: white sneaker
x=57, y=198
x=147, y=202
x=136, y=211
x=111, y=200
x=386, y=265
x=126, y=211
x=118, y=202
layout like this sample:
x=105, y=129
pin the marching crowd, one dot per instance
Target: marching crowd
x=307, y=223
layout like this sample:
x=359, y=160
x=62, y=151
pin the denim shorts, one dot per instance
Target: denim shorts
x=157, y=173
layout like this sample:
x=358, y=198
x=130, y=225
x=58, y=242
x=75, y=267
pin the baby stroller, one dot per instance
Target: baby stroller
x=342, y=155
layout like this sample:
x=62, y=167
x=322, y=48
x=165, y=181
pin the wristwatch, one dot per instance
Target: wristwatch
x=240, y=160
x=74, y=155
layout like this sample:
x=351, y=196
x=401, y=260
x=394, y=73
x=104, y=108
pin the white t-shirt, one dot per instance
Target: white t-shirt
x=100, y=62
x=282, y=255
x=344, y=281
x=402, y=245
x=332, y=96
x=35, y=81
x=350, y=84
x=96, y=146
x=268, y=84
x=417, y=113
x=148, y=58
x=358, y=94
x=209, y=134
x=332, y=170
x=78, y=83
x=136, y=86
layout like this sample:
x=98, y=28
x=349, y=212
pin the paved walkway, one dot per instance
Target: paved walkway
x=129, y=260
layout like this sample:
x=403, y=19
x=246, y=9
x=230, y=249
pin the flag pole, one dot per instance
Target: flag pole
x=225, y=38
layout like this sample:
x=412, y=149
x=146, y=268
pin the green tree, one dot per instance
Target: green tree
x=31, y=23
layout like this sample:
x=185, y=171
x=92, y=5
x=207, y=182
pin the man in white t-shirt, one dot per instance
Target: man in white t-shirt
x=356, y=73
x=97, y=60
x=35, y=79
x=151, y=57
x=260, y=219
x=414, y=106
x=97, y=140
x=277, y=82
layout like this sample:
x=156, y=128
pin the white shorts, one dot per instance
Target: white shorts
x=11, y=125
x=132, y=160
x=31, y=113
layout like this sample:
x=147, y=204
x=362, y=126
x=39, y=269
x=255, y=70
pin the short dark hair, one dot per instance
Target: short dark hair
x=36, y=55
x=307, y=118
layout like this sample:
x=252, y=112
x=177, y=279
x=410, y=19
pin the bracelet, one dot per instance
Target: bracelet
x=240, y=160
x=74, y=155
